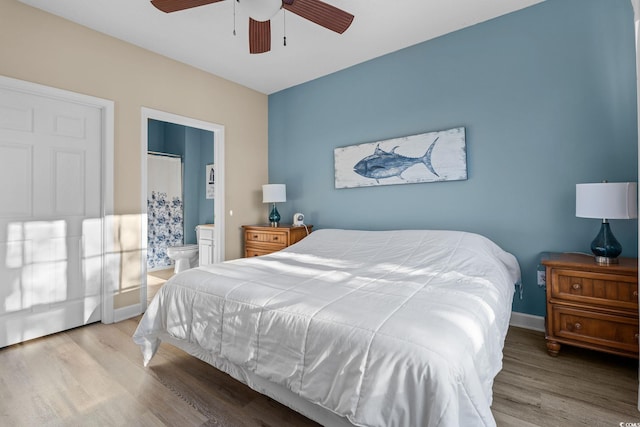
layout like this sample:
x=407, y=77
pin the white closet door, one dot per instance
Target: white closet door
x=50, y=215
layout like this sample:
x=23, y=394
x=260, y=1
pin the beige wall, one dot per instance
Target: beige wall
x=39, y=47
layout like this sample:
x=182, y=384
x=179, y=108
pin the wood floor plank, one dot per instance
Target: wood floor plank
x=504, y=420
x=577, y=387
x=112, y=350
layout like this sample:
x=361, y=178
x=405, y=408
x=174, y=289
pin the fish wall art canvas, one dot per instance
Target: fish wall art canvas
x=426, y=157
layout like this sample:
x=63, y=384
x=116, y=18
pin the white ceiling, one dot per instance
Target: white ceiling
x=203, y=36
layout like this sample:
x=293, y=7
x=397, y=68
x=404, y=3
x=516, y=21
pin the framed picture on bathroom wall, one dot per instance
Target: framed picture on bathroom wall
x=211, y=181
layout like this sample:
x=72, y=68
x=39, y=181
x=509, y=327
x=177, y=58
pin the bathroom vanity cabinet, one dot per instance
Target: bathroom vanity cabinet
x=206, y=245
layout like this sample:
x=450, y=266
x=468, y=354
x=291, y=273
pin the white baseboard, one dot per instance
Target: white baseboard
x=527, y=321
x=128, y=312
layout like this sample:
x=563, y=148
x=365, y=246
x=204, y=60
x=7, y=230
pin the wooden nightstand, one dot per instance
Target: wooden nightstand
x=264, y=239
x=590, y=305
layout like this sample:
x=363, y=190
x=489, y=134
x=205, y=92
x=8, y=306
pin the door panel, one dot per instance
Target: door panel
x=50, y=215
x=68, y=182
x=15, y=177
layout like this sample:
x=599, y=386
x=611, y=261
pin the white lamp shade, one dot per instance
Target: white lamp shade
x=607, y=200
x=274, y=193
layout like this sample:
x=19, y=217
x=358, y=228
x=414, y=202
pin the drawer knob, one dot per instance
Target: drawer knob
x=275, y=237
x=635, y=337
x=255, y=236
x=576, y=286
x=635, y=294
x=577, y=326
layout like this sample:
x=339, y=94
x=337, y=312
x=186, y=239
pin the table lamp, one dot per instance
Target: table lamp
x=607, y=200
x=274, y=193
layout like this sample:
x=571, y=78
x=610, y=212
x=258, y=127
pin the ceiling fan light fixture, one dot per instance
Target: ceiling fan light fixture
x=261, y=10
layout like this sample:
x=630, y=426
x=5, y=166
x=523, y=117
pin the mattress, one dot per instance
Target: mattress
x=382, y=328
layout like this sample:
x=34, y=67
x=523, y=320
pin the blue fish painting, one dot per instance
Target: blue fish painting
x=426, y=157
x=386, y=164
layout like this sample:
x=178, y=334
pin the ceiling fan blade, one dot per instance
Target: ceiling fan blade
x=259, y=36
x=321, y=13
x=176, y=5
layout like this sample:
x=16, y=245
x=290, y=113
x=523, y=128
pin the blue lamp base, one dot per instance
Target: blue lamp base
x=274, y=216
x=605, y=247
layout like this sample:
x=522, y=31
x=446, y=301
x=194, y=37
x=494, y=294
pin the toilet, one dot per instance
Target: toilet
x=184, y=256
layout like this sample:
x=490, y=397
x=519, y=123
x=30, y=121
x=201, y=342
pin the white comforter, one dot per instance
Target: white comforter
x=386, y=328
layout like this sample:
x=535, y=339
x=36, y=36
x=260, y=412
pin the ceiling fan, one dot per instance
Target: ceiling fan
x=261, y=12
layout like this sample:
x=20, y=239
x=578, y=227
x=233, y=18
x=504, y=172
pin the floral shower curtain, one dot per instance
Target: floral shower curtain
x=165, y=218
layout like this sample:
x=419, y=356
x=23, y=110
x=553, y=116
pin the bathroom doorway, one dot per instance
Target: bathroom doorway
x=197, y=145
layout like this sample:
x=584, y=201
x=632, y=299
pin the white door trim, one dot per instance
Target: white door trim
x=109, y=267
x=218, y=206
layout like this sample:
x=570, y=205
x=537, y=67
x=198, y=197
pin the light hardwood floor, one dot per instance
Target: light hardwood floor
x=578, y=388
x=155, y=280
x=93, y=375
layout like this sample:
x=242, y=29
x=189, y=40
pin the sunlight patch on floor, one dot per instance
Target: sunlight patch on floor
x=155, y=280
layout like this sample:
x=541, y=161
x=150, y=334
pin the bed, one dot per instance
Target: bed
x=365, y=328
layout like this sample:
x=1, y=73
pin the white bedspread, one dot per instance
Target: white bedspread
x=386, y=328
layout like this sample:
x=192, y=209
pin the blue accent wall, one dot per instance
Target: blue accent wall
x=204, y=139
x=548, y=99
x=195, y=146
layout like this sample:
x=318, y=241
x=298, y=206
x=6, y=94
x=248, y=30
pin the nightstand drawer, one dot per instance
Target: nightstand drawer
x=273, y=238
x=251, y=252
x=597, y=329
x=591, y=305
x=617, y=291
x=264, y=239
